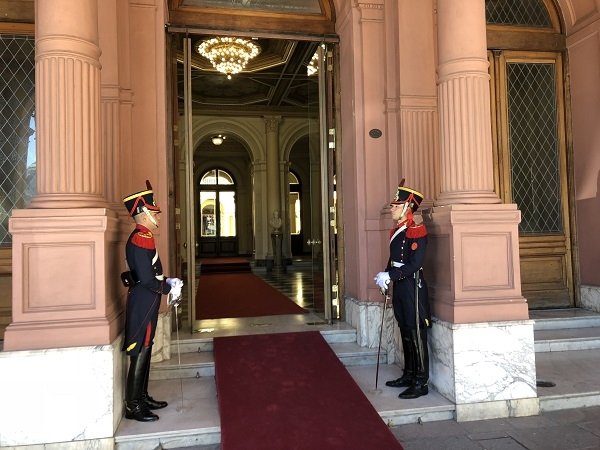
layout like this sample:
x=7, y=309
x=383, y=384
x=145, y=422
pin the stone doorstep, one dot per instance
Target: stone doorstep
x=201, y=363
x=572, y=334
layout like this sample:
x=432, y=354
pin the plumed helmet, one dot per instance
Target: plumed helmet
x=405, y=194
x=136, y=202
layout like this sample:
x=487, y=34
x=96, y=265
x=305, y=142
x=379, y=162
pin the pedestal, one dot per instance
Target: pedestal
x=276, y=238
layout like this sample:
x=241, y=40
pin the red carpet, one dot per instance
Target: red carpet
x=290, y=391
x=224, y=265
x=225, y=295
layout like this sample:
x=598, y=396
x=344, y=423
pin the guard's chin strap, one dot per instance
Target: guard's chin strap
x=152, y=219
x=405, y=208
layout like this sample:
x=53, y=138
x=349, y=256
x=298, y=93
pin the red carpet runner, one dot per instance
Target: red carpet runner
x=225, y=295
x=289, y=391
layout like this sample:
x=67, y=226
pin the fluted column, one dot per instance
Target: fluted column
x=464, y=104
x=110, y=104
x=69, y=158
x=65, y=261
x=273, y=178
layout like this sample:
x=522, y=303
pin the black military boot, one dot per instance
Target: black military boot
x=135, y=407
x=152, y=404
x=420, y=386
x=408, y=375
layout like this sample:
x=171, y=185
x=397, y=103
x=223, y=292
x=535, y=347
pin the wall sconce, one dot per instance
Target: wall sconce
x=218, y=139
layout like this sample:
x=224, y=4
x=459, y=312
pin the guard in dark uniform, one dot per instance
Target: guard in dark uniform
x=146, y=284
x=408, y=243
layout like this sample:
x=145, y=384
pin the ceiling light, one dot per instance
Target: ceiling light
x=218, y=139
x=228, y=55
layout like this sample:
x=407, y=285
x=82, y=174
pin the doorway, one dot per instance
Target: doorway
x=273, y=117
x=217, y=224
x=529, y=117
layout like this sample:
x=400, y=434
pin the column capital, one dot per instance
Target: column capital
x=272, y=123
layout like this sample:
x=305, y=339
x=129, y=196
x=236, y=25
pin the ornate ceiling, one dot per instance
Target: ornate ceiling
x=276, y=80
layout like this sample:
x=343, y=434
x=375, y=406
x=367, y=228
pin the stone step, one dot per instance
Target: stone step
x=560, y=340
x=192, y=417
x=571, y=329
x=205, y=344
x=555, y=319
x=572, y=376
x=201, y=363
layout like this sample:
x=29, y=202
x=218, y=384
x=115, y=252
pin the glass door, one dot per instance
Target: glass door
x=184, y=163
x=322, y=163
x=217, y=235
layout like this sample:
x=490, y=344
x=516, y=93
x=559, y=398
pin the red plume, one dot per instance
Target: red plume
x=148, y=185
x=401, y=182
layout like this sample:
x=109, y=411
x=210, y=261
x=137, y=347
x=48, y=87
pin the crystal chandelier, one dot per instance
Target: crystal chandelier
x=228, y=55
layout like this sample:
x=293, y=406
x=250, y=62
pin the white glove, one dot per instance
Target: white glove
x=175, y=282
x=382, y=279
x=174, y=296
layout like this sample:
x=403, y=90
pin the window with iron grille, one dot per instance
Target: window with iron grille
x=523, y=13
x=534, y=150
x=17, y=127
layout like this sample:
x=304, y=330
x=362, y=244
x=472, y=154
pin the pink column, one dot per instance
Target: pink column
x=110, y=100
x=473, y=252
x=70, y=164
x=65, y=289
x=464, y=104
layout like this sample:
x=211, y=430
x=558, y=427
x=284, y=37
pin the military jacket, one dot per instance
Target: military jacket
x=407, y=253
x=144, y=296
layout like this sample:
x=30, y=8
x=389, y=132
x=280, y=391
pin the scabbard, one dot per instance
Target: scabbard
x=418, y=320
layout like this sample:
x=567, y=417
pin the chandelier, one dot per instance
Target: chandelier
x=228, y=55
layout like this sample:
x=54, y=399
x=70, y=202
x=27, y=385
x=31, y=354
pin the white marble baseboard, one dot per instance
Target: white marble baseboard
x=497, y=409
x=61, y=395
x=484, y=363
x=365, y=316
x=590, y=297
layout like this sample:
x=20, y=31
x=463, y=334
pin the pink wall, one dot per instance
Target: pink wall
x=150, y=149
x=582, y=20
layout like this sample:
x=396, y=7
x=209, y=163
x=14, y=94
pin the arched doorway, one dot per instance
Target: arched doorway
x=529, y=116
x=217, y=224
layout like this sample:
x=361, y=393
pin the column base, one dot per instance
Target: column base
x=71, y=395
x=467, y=198
x=66, y=287
x=365, y=316
x=475, y=366
x=472, y=266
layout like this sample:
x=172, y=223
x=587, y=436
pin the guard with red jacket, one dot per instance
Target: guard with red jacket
x=408, y=243
x=146, y=284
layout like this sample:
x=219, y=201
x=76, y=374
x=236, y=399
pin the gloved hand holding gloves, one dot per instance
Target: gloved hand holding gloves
x=382, y=279
x=175, y=293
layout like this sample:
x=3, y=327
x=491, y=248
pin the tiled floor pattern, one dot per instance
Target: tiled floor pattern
x=296, y=283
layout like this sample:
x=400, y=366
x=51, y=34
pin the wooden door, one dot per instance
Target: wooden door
x=531, y=168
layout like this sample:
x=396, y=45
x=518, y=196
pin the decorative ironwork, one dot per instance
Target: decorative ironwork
x=534, y=146
x=523, y=13
x=17, y=127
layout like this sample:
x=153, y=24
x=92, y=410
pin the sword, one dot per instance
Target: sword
x=418, y=321
x=386, y=298
x=175, y=306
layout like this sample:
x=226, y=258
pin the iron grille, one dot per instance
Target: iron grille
x=523, y=13
x=534, y=146
x=17, y=127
